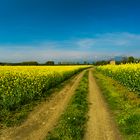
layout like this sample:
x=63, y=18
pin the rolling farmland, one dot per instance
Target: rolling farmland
x=80, y=95
x=70, y=70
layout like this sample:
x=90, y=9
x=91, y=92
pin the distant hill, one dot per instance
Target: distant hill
x=118, y=58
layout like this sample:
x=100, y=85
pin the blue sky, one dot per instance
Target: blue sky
x=68, y=29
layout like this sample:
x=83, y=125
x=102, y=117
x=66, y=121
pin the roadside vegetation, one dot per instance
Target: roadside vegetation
x=22, y=87
x=71, y=125
x=124, y=104
x=17, y=116
x=127, y=74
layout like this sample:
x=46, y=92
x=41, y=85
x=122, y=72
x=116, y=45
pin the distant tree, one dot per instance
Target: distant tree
x=124, y=60
x=137, y=60
x=1, y=63
x=85, y=63
x=32, y=63
x=49, y=63
x=131, y=59
x=93, y=63
x=77, y=63
x=103, y=62
x=118, y=62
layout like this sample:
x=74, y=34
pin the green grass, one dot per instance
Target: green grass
x=124, y=104
x=16, y=117
x=71, y=125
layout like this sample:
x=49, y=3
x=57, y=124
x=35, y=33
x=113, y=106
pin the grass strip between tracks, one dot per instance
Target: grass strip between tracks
x=72, y=123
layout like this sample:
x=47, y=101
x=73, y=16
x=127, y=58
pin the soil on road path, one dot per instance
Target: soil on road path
x=100, y=125
x=44, y=117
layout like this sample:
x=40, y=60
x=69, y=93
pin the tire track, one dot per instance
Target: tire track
x=100, y=125
x=44, y=117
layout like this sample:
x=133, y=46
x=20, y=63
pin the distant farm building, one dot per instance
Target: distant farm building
x=112, y=62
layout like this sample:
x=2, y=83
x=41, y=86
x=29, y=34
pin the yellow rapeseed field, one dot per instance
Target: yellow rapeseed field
x=21, y=84
x=127, y=74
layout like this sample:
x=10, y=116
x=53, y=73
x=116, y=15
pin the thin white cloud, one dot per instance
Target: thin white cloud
x=108, y=44
x=122, y=39
x=42, y=55
x=88, y=42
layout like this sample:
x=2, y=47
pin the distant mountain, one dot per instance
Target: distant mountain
x=118, y=58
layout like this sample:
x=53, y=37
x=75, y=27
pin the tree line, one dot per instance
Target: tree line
x=48, y=63
x=124, y=60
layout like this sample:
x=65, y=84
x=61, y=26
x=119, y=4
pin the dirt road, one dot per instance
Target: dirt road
x=44, y=116
x=100, y=125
